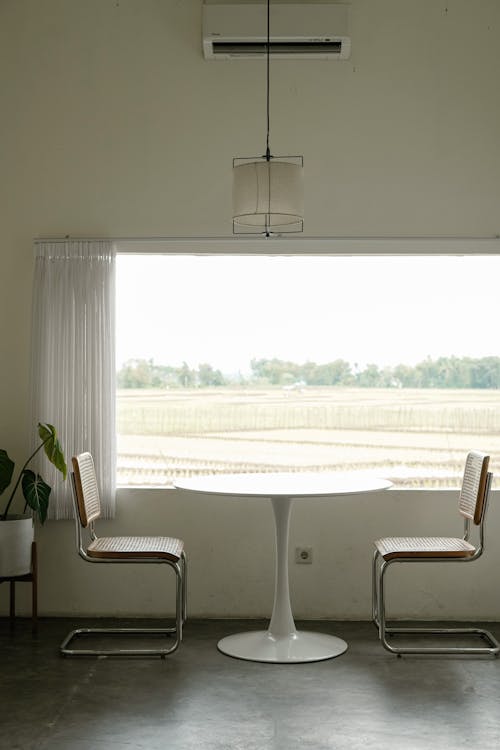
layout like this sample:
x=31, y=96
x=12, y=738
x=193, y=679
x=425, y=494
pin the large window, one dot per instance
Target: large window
x=258, y=363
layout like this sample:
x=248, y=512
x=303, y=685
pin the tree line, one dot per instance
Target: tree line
x=143, y=373
x=443, y=372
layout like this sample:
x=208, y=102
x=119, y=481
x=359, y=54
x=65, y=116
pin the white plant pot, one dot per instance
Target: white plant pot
x=16, y=535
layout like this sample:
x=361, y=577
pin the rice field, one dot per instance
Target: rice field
x=415, y=437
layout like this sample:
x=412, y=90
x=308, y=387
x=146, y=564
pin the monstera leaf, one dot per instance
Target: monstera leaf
x=52, y=447
x=6, y=470
x=35, y=490
x=36, y=493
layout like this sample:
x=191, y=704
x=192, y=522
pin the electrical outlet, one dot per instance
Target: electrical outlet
x=304, y=555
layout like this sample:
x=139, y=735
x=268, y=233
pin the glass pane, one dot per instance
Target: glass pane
x=245, y=364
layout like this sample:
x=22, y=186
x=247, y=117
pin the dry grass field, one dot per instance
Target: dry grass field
x=416, y=437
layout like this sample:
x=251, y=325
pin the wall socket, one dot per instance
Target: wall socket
x=303, y=555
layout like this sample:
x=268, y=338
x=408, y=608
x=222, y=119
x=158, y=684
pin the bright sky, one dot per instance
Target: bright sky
x=226, y=310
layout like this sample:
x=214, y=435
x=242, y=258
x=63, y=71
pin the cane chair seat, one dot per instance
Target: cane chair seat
x=393, y=547
x=133, y=547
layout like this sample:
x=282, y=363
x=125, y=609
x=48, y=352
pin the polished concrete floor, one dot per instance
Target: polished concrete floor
x=199, y=699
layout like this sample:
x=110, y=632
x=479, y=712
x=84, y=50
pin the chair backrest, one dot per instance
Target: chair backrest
x=86, y=489
x=473, y=491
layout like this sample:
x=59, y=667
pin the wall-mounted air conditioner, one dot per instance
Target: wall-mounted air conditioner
x=298, y=31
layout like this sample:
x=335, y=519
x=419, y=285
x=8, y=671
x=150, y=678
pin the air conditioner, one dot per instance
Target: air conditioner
x=297, y=31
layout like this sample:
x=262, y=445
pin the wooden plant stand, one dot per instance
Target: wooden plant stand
x=30, y=577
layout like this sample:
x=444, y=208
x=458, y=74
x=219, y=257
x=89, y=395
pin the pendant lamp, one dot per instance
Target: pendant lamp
x=268, y=190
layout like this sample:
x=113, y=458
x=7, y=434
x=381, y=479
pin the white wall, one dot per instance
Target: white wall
x=113, y=124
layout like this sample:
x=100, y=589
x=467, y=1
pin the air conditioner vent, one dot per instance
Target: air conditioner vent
x=276, y=48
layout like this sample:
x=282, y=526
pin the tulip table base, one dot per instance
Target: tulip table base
x=261, y=645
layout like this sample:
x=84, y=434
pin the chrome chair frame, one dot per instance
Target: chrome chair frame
x=379, y=569
x=180, y=569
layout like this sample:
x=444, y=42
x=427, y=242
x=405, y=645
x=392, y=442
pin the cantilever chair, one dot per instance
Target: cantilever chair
x=472, y=505
x=121, y=549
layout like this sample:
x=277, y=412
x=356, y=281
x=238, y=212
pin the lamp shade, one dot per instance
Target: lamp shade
x=268, y=194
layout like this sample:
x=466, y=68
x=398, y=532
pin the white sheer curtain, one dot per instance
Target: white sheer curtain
x=73, y=359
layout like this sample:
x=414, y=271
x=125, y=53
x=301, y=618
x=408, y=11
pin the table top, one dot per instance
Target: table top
x=289, y=484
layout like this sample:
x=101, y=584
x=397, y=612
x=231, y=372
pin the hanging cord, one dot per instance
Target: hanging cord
x=268, y=152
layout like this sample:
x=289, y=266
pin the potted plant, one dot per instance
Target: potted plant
x=16, y=531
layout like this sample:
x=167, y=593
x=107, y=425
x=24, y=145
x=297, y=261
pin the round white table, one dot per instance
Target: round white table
x=282, y=642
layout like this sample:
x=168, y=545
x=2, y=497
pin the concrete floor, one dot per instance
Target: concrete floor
x=199, y=699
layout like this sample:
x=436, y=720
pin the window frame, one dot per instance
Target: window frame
x=308, y=246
